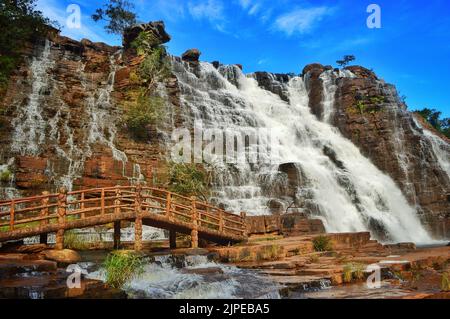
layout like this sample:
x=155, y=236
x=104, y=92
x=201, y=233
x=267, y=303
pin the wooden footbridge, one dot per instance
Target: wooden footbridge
x=56, y=213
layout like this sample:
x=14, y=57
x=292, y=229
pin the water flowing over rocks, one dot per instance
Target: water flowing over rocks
x=348, y=152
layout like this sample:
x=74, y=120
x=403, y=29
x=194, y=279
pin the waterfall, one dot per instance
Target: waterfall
x=36, y=133
x=329, y=90
x=441, y=149
x=335, y=181
x=29, y=125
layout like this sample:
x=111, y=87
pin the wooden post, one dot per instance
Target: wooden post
x=173, y=239
x=244, y=223
x=117, y=234
x=62, y=206
x=221, y=221
x=138, y=221
x=194, y=232
x=169, y=205
x=43, y=238
x=12, y=215
x=83, y=214
x=102, y=202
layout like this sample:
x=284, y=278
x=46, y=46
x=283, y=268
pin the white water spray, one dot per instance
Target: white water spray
x=350, y=193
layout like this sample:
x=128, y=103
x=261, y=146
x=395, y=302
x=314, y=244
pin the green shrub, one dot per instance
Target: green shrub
x=445, y=282
x=145, y=106
x=20, y=23
x=353, y=271
x=322, y=243
x=188, y=180
x=145, y=111
x=75, y=241
x=5, y=176
x=359, y=271
x=347, y=275
x=122, y=266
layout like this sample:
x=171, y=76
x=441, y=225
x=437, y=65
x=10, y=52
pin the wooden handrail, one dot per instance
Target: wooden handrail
x=95, y=202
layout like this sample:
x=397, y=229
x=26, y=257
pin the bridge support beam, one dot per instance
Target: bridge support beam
x=62, y=206
x=117, y=235
x=43, y=239
x=194, y=232
x=138, y=234
x=173, y=239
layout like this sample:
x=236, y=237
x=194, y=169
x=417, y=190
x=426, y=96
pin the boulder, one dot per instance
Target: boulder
x=191, y=55
x=157, y=28
x=65, y=256
x=316, y=67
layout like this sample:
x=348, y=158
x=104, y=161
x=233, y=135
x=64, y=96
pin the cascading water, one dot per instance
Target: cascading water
x=194, y=277
x=348, y=191
x=440, y=148
x=329, y=90
x=29, y=125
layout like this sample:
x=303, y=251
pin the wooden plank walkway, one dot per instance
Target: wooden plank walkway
x=56, y=213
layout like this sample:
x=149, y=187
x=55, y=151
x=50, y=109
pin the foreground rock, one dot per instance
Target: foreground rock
x=156, y=28
x=65, y=256
x=192, y=55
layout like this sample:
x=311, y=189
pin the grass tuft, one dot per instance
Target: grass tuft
x=322, y=243
x=122, y=266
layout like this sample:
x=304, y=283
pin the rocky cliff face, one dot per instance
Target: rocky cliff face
x=369, y=112
x=62, y=125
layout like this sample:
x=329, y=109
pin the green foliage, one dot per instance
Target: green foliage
x=346, y=60
x=145, y=107
x=445, y=282
x=74, y=241
x=368, y=104
x=142, y=112
x=433, y=117
x=347, y=275
x=272, y=252
x=322, y=243
x=122, y=266
x=20, y=22
x=353, y=271
x=144, y=42
x=361, y=106
x=5, y=176
x=188, y=180
x=118, y=14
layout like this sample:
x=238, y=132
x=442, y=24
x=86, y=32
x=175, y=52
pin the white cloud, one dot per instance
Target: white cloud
x=211, y=10
x=301, y=20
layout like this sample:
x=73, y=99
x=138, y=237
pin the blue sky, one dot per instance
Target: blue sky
x=411, y=50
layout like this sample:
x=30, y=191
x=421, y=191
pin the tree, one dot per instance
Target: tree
x=346, y=60
x=119, y=15
x=20, y=23
x=433, y=117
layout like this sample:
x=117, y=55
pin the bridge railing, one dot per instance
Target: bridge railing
x=89, y=203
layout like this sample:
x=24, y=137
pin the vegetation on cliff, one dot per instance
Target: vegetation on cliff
x=188, y=180
x=20, y=23
x=144, y=106
x=433, y=117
